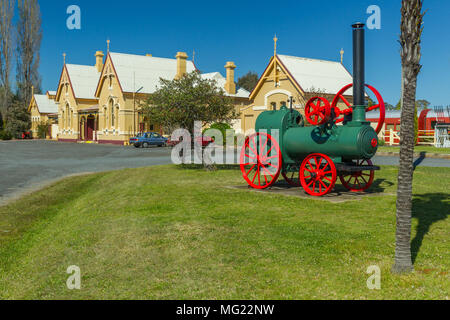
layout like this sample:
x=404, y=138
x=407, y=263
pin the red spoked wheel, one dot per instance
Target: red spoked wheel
x=317, y=111
x=261, y=161
x=292, y=178
x=358, y=181
x=340, y=114
x=318, y=175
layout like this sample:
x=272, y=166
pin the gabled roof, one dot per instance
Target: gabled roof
x=44, y=104
x=136, y=71
x=84, y=80
x=221, y=80
x=327, y=76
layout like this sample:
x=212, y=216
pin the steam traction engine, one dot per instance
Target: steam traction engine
x=315, y=156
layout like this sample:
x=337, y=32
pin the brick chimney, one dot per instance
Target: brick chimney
x=99, y=61
x=181, y=64
x=230, y=85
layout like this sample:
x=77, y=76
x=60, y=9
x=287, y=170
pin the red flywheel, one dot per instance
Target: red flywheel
x=340, y=114
x=317, y=111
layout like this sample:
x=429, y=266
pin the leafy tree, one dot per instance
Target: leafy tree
x=249, y=81
x=29, y=35
x=410, y=41
x=179, y=103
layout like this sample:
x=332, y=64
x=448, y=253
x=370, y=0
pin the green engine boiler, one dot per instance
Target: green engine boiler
x=356, y=140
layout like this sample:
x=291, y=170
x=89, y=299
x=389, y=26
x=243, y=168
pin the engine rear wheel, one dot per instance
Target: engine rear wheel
x=292, y=178
x=318, y=175
x=358, y=181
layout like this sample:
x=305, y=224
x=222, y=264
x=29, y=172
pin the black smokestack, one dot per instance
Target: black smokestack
x=359, y=80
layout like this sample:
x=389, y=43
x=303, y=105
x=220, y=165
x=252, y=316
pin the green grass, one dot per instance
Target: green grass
x=417, y=149
x=174, y=233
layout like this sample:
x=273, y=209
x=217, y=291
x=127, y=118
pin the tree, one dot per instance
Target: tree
x=17, y=118
x=410, y=41
x=6, y=48
x=249, y=81
x=29, y=34
x=179, y=103
x=423, y=104
x=389, y=106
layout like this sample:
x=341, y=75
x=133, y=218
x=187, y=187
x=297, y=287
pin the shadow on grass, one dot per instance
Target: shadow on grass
x=418, y=162
x=428, y=209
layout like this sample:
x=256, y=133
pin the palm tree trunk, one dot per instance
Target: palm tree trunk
x=411, y=32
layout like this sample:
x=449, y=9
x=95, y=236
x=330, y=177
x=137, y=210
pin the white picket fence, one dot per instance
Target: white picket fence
x=435, y=138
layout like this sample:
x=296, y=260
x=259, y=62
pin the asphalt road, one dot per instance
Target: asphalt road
x=29, y=165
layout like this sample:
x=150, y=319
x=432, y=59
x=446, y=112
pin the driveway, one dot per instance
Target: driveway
x=28, y=165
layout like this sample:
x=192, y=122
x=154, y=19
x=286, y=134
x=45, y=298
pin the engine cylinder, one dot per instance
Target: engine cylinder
x=343, y=141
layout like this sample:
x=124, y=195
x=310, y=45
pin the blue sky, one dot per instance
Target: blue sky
x=242, y=31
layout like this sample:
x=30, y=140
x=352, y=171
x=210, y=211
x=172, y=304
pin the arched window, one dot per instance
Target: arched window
x=105, y=116
x=62, y=119
x=116, y=117
x=67, y=116
x=111, y=112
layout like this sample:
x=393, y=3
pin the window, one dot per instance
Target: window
x=111, y=110
x=116, y=117
x=67, y=117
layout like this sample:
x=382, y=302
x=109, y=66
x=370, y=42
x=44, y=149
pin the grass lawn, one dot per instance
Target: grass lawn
x=179, y=233
x=417, y=149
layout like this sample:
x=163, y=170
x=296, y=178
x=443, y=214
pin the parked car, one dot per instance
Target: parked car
x=204, y=141
x=148, y=139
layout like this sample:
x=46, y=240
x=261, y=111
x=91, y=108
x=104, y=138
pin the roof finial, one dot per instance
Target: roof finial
x=32, y=90
x=64, y=55
x=275, y=40
x=342, y=55
x=107, y=43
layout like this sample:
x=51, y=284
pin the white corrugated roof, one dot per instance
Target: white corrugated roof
x=221, y=80
x=52, y=93
x=44, y=104
x=84, y=80
x=135, y=71
x=327, y=76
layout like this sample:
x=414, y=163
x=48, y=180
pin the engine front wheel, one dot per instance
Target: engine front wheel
x=318, y=175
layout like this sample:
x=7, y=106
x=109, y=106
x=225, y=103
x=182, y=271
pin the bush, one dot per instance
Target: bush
x=381, y=143
x=222, y=127
x=4, y=135
x=42, y=130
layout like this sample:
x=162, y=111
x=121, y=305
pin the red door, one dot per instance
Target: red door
x=90, y=129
